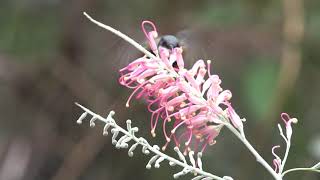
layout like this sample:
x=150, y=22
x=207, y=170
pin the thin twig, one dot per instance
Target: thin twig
x=121, y=35
x=300, y=169
x=109, y=121
x=254, y=152
x=283, y=163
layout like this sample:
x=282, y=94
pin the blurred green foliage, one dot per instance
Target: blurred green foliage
x=260, y=83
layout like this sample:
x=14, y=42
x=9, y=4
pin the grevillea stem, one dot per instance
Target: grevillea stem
x=121, y=35
x=300, y=169
x=258, y=157
x=283, y=163
x=149, y=147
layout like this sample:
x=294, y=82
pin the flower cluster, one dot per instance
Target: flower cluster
x=191, y=103
x=192, y=100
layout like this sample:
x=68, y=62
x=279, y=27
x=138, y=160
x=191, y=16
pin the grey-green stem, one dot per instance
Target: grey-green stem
x=300, y=169
x=149, y=147
x=258, y=157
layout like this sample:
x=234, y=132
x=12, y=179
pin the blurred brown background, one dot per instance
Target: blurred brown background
x=266, y=52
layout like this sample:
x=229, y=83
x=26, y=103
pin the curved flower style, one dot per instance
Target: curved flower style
x=191, y=100
x=288, y=121
x=277, y=160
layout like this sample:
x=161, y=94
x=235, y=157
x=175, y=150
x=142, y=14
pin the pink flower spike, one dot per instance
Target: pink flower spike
x=178, y=98
x=234, y=117
x=288, y=121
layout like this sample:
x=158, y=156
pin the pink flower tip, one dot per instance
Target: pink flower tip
x=287, y=119
x=153, y=133
x=275, y=147
x=179, y=50
x=154, y=34
x=146, y=22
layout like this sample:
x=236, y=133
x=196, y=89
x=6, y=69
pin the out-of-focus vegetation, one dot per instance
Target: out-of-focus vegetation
x=51, y=56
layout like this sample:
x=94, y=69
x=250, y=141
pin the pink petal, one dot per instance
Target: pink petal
x=234, y=117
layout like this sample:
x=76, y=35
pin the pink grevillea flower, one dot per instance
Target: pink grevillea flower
x=288, y=121
x=191, y=103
